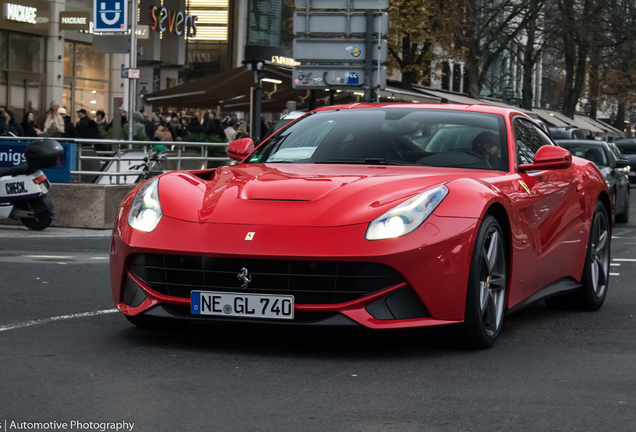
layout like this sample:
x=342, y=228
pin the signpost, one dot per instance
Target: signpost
x=341, y=62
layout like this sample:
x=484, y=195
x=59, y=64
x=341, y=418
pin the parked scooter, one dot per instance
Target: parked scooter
x=149, y=163
x=23, y=188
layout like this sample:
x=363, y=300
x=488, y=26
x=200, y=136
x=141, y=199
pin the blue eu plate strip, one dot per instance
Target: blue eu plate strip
x=195, y=302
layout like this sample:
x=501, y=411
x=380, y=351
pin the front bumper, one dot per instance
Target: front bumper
x=432, y=261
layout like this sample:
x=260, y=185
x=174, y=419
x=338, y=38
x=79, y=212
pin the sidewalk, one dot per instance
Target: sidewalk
x=14, y=231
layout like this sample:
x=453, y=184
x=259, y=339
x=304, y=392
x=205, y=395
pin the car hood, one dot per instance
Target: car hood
x=298, y=194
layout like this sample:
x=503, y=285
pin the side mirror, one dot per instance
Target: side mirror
x=549, y=158
x=240, y=149
x=622, y=163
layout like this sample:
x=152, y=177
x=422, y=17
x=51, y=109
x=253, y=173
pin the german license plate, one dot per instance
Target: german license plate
x=242, y=305
x=632, y=173
x=45, y=186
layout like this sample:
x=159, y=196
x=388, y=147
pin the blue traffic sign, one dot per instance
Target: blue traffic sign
x=110, y=15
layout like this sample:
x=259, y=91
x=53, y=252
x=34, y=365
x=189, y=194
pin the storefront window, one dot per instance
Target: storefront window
x=91, y=96
x=86, y=79
x=89, y=64
x=25, y=52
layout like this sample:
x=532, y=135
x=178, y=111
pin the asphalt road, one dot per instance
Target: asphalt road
x=66, y=356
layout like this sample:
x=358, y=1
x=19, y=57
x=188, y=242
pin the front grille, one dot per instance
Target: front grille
x=310, y=282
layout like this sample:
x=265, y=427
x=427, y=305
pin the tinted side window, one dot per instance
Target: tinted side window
x=528, y=139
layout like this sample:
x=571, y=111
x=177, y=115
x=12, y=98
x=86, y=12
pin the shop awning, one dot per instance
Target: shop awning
x=550, y=118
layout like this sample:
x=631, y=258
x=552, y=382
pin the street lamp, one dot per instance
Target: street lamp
x=587, y=108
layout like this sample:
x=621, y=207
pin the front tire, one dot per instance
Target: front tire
x=487, y=286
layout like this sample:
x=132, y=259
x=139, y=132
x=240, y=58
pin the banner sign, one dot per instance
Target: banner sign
x=110, y=15
x=12, y=154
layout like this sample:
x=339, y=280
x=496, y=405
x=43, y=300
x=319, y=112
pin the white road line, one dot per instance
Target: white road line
x=48, y=256
x=615, y=265
x=53, y=319
x=624, y=259
x=98, y=258
x=615, y=274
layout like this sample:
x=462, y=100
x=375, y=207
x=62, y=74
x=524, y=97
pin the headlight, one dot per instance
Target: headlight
x=407, y=216
x=145, y=211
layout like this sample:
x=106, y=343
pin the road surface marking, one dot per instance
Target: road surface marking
x=615, y=265
x=48, y=256
x=615, y=274
x=57, y=318
x=624, y=259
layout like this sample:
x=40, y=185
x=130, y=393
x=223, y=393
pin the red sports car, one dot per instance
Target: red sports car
x=378, y=215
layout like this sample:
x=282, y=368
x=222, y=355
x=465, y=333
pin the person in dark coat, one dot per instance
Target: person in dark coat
x=28, y=125
x=151, y=127
x=195, y=127
x=14, y=127
x=83, y=121
x=215, y=128
x=91, y=131
x=69, y=129
x=4, y=127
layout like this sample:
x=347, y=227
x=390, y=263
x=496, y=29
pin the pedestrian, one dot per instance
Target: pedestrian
x=195, y=126
x=14, y=127
x=138, y=124
x=54, y=123
x=163, y=133
x=151, y=127
x=174, y=126
x=28, y=125
x=69, y=129
x=91, y=131
x=4, y=127
x=230, y=132
x=100, y=119
x=83, y=121
x=241, y=131
x=215, y=128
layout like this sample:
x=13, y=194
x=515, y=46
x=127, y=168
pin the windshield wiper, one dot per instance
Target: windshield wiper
x=363, y=161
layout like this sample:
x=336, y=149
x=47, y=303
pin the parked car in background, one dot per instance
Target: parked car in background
x=566, y=133
x=628, y=151
x=610, y=166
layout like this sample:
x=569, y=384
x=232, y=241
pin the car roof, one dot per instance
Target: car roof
x=581, y=142
x=488, y=109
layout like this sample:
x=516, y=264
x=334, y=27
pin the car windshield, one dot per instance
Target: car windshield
x=594, y=153
x=391, y=136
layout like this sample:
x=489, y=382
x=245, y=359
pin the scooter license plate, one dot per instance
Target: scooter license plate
x=45, y=186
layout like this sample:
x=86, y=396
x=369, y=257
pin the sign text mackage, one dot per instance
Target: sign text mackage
x=20, y=13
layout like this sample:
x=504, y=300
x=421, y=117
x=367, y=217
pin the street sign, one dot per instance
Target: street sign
x=133, y=73
x=335, y=23
x=342, y=4
x=110, y=16
x=336, y=50
x=124, y=72
x=334, y=77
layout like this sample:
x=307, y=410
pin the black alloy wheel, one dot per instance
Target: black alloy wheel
x=487, y=286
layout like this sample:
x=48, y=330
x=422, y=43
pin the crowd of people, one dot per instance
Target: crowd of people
x=173, y=126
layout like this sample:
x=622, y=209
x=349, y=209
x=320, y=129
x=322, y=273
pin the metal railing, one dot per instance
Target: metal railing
x=117, y=156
